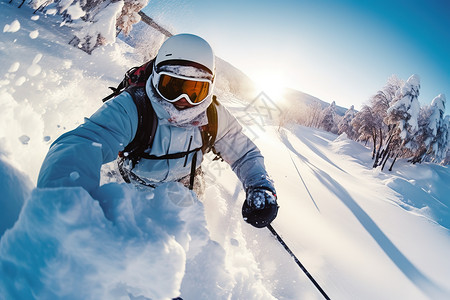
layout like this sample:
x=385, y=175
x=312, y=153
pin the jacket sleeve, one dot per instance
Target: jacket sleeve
x=240, y=152
x=76, y=157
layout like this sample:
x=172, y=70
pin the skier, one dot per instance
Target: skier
x=179, y=90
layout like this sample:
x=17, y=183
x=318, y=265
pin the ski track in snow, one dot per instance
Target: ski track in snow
x=360, y=232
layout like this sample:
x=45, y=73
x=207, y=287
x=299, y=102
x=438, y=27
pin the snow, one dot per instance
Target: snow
x=15, y=188
x=406, y=103
x=414, y=81
x=360, y=232
x=14, y=67
x=13, y=27
x=137, y=249
x=186, y=71
x=75, y=11
x=103, y=23
x=439, y=101
x=34, y=34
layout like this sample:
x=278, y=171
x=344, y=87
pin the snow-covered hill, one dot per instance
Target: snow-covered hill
x=299, y=98
x=360, y=232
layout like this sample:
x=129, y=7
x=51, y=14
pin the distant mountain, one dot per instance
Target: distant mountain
x=295, y=96
x=233, y=80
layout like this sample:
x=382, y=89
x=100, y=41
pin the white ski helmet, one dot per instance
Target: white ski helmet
x=186, y=49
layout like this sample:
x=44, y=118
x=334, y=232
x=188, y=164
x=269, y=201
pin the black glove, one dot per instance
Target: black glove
x=260, y=207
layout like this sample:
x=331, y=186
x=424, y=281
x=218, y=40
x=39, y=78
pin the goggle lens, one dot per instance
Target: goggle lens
x=172, y=87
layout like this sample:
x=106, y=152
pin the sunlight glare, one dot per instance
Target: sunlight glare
x=273, y=85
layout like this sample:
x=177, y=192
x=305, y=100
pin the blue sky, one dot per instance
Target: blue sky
x=341, y=51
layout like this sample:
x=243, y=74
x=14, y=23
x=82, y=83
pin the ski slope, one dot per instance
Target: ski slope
x=360, y=232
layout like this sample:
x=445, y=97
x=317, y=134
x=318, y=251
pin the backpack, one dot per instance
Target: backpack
x=134, y=83
x=136, y=76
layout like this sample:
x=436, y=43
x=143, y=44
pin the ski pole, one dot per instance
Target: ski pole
x=297, y=261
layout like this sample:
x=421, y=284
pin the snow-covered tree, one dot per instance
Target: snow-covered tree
x=431, y=140
x=398, y=127
x=130, y=15
x=445, y=141
x=365, y=127
x=402, y=117
x=328, y=118
x=36, y=4
x=312, y=114
x=345, y=123
x=95, y=22
x=379, y=104
x=404, y=109
x=435, y=132
x=393, y=150
x=381, y=101
x=98, y=26
x=441, y=146
x=431, y=134
x=424, y=134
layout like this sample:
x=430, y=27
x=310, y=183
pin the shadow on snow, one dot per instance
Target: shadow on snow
x=394, y=254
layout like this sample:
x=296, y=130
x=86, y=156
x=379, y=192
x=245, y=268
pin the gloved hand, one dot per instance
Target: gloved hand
x=260, y=207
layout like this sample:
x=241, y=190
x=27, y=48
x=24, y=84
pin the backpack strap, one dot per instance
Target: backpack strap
x=145, y=134
x=138, y=76
x=209, y=131
x=171, y=156
x=147, y=125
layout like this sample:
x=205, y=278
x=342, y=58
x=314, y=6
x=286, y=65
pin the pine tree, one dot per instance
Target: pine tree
x=328, y=118
x=441, y=144
x=444, y=141
x=345, y=124
x=424, y=134
x=405, y=107
x=434, y=143
x=402, y=117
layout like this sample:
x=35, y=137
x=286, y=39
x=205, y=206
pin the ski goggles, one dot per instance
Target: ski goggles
x=172, y=87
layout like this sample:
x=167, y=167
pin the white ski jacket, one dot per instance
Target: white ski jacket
x=76, y=157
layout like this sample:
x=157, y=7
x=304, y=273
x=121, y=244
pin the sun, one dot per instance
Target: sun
x=272, y=85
